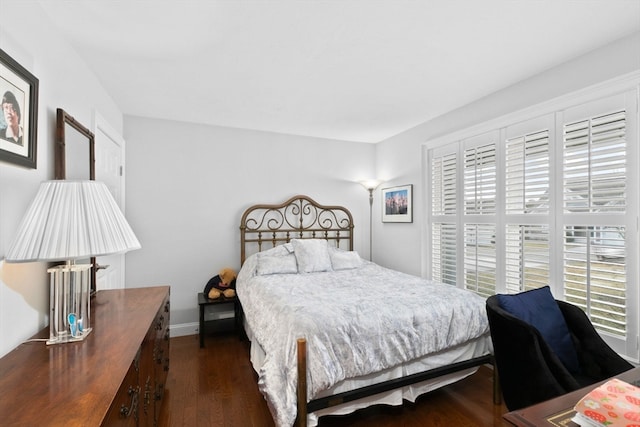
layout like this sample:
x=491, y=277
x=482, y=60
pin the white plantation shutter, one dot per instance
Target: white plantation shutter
x=527, y=173
x=595, y=164
x=444, y=253
x=595, y=276
x=443, y=184
x=527, y=204
x=479, y=240
x=480, y=179
x=553, y=200
x=594, y=216
x=480, y=258
x=527, y=257
x=475, y=167
x=443, y=208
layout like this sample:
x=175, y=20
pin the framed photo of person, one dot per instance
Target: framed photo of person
x=397, y=204
x=19, y=116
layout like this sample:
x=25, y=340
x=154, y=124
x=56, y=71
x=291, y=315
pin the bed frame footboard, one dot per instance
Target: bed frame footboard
x=304, y=407
x=302, y=383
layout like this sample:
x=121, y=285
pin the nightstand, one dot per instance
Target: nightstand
x=204, y=302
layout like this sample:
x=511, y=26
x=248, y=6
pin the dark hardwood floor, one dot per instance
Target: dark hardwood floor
x=216, y=386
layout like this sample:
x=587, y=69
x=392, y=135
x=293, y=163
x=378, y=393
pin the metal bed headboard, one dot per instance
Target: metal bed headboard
x=266, y=226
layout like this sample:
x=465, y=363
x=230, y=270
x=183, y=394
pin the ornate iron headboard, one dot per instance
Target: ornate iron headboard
x=300, y=217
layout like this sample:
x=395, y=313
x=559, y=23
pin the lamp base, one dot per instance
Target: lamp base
x=69, y=309
x=61, y=339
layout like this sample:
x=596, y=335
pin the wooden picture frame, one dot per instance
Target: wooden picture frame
x=397, y=204
x=19, y=118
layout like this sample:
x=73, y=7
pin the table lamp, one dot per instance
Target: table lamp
x=70, y=220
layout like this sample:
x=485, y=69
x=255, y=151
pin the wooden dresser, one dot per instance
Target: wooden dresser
x=116, y=376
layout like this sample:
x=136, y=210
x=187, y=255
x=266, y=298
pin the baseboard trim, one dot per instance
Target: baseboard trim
x=184, y=329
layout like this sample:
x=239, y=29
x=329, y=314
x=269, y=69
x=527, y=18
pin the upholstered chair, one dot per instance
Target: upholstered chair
x=529, y=368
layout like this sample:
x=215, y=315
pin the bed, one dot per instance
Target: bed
x=330, y=332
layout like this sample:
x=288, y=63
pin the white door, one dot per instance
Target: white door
x=109, y=151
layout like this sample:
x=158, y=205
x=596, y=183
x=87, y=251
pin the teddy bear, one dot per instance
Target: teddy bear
x=222, y=284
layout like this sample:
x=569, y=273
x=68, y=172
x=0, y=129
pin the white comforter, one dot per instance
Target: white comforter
x=355, y=321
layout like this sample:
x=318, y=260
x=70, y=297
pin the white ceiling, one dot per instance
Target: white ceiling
x=358, y=70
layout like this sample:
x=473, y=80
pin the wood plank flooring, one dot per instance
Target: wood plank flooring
x=216, y=386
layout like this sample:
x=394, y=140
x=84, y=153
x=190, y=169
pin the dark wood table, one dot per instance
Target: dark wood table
x=79, y=383
x=559, y=411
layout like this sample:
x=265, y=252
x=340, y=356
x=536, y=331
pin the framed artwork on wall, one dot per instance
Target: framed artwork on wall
x=19, y=117
x=397, y=204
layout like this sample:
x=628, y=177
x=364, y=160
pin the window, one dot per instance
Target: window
x=547, y=200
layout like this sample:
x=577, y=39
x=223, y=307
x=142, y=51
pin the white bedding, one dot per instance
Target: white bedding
x=357, y=321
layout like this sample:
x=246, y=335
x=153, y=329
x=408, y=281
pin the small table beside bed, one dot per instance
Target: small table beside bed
x=331, y=333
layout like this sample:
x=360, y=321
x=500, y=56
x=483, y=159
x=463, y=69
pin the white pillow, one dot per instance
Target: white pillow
x=312, y=255
x=345, y=260
x=276, y=264
x=288, y=247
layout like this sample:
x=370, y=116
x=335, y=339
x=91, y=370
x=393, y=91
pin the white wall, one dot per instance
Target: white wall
x=64, y=81
x=188, y=185
x=399, y=159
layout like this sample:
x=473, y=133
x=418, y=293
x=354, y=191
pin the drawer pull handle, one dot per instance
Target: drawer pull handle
x=125, y=411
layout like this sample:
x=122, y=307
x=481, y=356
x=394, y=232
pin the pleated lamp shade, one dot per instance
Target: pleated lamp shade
x=69, y=220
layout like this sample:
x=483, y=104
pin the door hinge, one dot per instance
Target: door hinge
x=121, y=170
